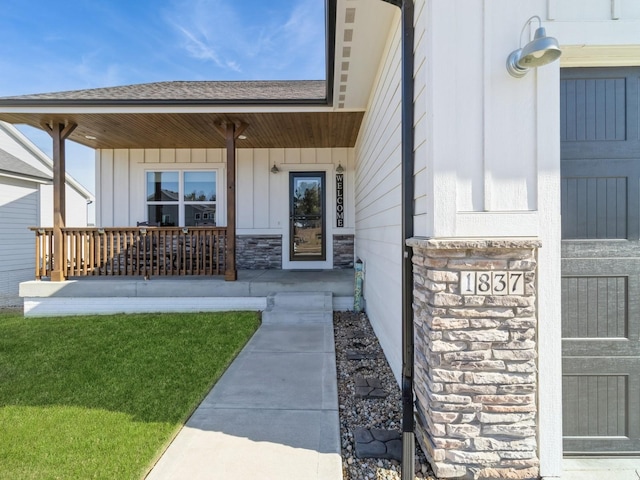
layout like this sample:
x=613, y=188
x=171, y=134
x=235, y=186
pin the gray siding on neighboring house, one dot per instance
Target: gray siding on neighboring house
x=18, y=212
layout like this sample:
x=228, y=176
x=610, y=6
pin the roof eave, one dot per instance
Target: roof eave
x=58, y=102
x=25, y=177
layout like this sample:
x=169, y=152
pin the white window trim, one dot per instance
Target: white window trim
x=220, y=203
x=283, y=185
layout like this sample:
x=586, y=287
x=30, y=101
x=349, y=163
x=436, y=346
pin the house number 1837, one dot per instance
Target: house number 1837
x=492, y=283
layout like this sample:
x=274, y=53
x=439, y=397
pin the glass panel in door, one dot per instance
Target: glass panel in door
x=306, y=216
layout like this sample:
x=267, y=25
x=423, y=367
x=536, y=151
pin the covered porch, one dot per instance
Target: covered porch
x=232, y=147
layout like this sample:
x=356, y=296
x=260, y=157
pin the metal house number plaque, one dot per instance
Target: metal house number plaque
x=491, y=283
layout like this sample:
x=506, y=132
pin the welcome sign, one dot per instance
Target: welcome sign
x=339, y=200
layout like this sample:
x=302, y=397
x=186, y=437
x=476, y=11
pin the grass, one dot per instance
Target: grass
x=101, y=396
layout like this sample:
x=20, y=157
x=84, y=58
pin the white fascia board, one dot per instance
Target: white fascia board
x=26, y=178
x=133, y=109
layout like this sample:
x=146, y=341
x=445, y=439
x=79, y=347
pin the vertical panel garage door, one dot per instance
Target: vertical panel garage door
x=600, y=171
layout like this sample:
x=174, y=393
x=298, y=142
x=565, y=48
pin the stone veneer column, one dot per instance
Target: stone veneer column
x=475, y=356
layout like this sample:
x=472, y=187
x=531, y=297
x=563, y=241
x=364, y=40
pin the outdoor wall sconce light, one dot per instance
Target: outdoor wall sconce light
x=339, y=169
x=539, y=51
x=274, y=169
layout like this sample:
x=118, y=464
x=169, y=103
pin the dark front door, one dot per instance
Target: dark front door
x=307, y=216
x=600, y=168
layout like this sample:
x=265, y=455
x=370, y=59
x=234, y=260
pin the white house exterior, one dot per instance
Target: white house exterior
x=487, y=152
x=497, y=159
x=25, y=201
x=262, y=207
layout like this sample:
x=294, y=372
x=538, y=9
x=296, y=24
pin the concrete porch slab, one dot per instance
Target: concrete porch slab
x=106, y=295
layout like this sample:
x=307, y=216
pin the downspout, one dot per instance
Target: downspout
x=408, y=437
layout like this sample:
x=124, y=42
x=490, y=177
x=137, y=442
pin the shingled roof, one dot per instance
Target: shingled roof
x=303, y=91
x=12, y=165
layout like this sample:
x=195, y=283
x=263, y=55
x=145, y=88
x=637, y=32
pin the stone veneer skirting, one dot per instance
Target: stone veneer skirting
x=475, y=357
x=343, y=251
x=258, y=252
x=264, y=252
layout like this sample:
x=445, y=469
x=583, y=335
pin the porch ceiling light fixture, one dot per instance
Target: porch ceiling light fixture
x=274, y=169
x=538, y=52
x=339, y=169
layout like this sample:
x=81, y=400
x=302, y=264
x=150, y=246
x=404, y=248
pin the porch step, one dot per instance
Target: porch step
x=298, y=307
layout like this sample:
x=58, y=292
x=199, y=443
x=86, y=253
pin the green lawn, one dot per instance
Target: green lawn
x=101, y=396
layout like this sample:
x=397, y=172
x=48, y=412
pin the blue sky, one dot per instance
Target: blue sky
x=70, y=45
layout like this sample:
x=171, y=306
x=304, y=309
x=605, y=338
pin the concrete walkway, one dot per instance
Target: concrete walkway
x=274, y=413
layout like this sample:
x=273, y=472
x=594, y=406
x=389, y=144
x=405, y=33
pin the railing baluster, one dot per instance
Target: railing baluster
x=91, y=236
x=38, y=257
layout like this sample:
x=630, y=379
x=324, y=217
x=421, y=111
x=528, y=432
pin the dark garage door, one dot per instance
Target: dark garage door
x=600, y=170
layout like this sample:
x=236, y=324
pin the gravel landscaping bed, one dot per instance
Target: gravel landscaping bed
x=353, y=334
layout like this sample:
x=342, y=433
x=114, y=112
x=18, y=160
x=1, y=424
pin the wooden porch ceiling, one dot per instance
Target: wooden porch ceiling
x=196, y=130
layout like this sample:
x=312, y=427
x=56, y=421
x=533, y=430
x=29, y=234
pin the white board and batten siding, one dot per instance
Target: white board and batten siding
x=262, y=197
x=490, y=143
x=18, y=211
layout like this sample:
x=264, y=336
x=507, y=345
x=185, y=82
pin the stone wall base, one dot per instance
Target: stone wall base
x=264, y=252
x=259, y=252
x=343, y=251
x=475, y=356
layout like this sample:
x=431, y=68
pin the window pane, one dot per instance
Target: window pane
x=307, y=196
x=162, y=187
x=307, y=238
x=167, y=215
x=195, y=215
x=200, y=186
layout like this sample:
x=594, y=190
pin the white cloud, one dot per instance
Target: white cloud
x=264, y=42
x=198, y=48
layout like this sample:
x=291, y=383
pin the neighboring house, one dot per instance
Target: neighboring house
x=25, y=201
x=525, y=209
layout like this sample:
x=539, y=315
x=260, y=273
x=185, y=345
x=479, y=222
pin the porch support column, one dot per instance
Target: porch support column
x=231, y=274
x=59, y=133
x=231, y=131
